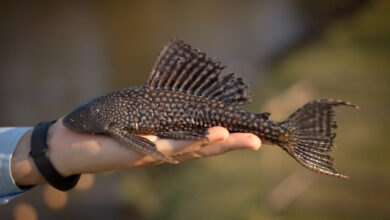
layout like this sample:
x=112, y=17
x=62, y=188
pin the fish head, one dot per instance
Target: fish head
x=87, y=118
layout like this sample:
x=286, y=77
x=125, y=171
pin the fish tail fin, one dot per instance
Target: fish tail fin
x=311, y=138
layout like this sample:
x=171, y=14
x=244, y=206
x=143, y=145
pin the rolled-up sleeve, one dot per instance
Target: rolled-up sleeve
x=9, y=138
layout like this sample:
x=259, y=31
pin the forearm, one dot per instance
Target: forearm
x=71, y=153
x=10, y=137
x=61, y=152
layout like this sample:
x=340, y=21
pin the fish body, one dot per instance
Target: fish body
x=185, y=95
x=148, y=111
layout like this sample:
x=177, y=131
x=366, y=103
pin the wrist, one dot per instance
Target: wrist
x=23, y=168
x=40, y=154
x=24, y=172
x=58, y=150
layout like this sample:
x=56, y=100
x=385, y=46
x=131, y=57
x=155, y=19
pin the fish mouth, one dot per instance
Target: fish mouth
x=70, y=124
x=66, y=123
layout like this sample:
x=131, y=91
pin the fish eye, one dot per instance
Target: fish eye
x=95, y=110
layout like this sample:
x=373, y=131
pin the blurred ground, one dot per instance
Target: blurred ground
x=55, y=56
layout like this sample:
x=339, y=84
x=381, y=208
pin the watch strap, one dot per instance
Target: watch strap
x=43, y=163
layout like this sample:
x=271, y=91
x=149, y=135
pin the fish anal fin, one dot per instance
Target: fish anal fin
x=186, y=135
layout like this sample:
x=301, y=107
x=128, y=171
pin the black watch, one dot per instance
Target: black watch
x=45, y=167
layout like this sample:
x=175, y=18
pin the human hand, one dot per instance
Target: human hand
x=74, y=153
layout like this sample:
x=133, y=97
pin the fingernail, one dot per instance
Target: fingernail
x=255, y=142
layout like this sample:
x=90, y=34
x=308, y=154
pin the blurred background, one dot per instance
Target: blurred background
x=54, y=55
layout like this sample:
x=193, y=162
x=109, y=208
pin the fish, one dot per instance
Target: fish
x=185, y=94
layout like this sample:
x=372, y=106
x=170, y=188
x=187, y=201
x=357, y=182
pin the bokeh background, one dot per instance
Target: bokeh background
x=54, y=55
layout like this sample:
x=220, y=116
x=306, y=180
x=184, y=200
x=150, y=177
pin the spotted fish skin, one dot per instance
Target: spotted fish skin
x=147, y=111
x=185, y=95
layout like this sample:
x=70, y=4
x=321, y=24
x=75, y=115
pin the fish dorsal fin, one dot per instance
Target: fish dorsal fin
x=179, y=67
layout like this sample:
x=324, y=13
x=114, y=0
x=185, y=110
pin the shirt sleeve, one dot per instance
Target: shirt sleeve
x=9, y=138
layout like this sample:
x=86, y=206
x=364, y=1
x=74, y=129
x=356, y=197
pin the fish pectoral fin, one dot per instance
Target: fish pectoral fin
x=200, y=134
x=142, y=145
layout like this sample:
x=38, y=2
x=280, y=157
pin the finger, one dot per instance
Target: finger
x=171, y=146
x=235, y=141
x=246, y=141
x=218, y=134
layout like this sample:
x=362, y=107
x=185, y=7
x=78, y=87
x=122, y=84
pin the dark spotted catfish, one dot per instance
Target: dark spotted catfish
x=185, y=95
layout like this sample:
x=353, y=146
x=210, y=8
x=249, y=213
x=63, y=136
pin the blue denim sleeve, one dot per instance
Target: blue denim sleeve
x=9, y=138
